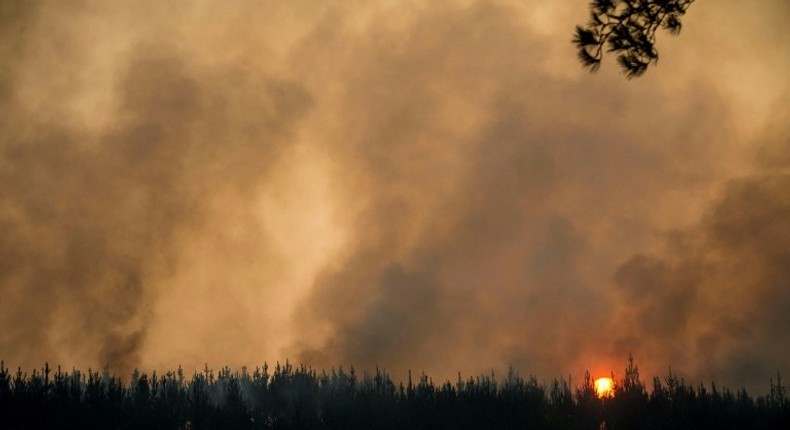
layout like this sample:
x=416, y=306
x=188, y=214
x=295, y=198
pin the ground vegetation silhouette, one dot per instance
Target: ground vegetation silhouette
x=289, y=397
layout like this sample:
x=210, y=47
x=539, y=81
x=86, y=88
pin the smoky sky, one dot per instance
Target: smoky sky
x=434, y=186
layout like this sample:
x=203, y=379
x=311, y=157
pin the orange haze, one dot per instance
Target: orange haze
x=427, y=185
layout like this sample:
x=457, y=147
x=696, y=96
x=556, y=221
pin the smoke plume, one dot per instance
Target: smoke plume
x=429, y=186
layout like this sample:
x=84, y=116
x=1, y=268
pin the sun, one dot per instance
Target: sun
x=604, y=387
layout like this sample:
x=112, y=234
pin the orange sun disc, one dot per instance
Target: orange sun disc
x=604, y=387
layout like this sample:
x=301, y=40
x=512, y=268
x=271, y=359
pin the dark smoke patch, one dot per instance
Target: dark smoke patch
x=716, y=305
x=660, y=292
x=122, y=351
x=399, y=317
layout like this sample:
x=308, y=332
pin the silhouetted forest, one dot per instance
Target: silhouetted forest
x=288, y=397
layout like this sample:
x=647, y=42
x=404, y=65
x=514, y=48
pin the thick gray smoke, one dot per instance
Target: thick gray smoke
x=411, y=185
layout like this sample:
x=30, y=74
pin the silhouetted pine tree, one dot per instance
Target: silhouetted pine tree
x=301, y=398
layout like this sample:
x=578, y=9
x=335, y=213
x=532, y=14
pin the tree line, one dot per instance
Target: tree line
x=289, y=397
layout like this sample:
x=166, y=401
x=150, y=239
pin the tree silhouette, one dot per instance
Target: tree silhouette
x=301, y=398
x=628, y=29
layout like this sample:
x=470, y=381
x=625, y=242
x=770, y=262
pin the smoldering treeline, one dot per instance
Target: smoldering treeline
x=301, y=398
x=368, y=183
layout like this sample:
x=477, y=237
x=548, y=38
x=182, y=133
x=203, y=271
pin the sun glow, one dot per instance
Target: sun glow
x=604, y=387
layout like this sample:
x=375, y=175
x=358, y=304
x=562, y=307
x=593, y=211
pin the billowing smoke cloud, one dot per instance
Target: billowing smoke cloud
x=428, y=186
x=500, y=199
x=715, y=302
x=93, y=220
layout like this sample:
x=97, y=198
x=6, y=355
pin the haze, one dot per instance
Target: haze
x=436, y=186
